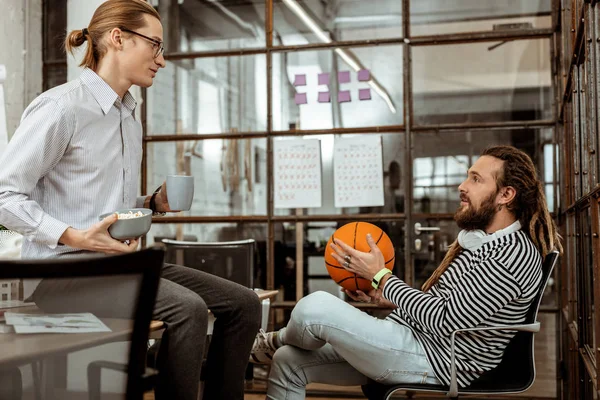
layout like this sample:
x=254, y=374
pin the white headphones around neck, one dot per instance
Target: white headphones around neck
x=472, y=240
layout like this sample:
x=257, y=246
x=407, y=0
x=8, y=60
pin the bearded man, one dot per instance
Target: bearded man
x=489, y=276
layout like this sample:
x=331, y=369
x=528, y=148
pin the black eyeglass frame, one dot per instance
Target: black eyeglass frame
x=159, y=50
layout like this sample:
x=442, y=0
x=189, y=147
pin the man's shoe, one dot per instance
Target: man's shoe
x=263, y=348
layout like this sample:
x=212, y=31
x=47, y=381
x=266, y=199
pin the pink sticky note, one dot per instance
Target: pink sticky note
x=300, y=98
x=364, y=94
x=324, y=97
x=344, y=76
x=300, y=80
x=343, y=96
x=324, y=78
x=364, y=75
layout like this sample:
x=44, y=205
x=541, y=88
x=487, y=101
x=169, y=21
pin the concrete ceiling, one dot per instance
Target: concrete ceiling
x=221, y=19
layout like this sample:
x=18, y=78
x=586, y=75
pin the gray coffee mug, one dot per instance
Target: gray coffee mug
x=180, y=192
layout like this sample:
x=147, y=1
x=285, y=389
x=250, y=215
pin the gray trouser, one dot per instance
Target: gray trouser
x=184, y=297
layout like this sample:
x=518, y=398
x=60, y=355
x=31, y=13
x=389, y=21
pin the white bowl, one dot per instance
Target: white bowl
x=131, y=228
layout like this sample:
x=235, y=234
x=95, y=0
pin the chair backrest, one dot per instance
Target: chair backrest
x=146, y=265
x=232, y=260
x=516, y=371
x=547, y=268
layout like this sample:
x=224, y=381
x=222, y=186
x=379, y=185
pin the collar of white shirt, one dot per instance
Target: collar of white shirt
x=104, y=94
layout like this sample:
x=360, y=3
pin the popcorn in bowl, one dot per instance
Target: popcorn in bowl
x=129, y=215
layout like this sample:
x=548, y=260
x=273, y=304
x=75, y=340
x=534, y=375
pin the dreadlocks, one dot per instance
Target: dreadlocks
x=529, y=205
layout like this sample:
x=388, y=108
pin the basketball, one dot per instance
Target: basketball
x=354, y=234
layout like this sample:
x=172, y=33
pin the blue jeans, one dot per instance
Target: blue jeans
x=329, y=341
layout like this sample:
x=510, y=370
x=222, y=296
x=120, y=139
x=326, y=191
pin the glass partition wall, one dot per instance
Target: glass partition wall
x=442, y=82
x=437, y=81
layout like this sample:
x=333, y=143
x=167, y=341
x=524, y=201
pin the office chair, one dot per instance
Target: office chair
x=514, y=374
x=231, y=260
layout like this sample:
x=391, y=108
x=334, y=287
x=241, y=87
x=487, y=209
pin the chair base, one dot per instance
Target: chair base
x=378, y=391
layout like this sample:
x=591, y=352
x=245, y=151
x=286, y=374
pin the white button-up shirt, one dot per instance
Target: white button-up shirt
x=76, y=154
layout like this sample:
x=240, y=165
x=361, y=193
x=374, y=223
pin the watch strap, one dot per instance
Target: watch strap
x=153, y=202
x=378, y=276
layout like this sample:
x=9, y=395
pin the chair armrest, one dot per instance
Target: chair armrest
x=453, y=391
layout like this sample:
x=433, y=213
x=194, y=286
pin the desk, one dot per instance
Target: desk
x=265, y=294
x=21, y=349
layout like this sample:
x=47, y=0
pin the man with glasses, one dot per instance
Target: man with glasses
x=158, y=45
x=77, y=155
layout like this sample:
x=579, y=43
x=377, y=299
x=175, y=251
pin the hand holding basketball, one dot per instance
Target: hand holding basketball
x=365, y=265
x=360, y=296
x=353, y=259
x=374, y=296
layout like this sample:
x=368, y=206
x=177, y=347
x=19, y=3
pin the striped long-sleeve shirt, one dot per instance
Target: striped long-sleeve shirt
x=494, y=285
x=76, y=155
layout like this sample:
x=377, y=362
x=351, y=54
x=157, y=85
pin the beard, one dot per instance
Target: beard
x=470, y=219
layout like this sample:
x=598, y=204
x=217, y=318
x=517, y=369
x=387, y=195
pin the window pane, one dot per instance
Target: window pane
x=393, y=156
x=559, y=178
x=441, y=161
x=209, y=95
x=213, y=25
x=433, y=247
x=443, y=16
x=550, y=196
x=474, y=82
x=548, y=171
x=548, y=157
x=299, y=22
x=586, y=281
x=438, y=192
x=381, y=104
x=230, y=175
x=572, y=288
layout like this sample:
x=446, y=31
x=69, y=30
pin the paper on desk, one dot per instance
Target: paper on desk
x=5, y=305
x=55, y=323
x=14, y=303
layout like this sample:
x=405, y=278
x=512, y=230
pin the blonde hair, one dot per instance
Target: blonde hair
x=529, y=206
x=124, y=14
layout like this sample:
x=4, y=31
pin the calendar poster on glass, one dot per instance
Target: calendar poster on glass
x=358, y=171
x=297, y=173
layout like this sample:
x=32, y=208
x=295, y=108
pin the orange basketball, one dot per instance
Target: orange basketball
x=355, y=234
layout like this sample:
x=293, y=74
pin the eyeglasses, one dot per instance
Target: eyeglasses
x=157, y=45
